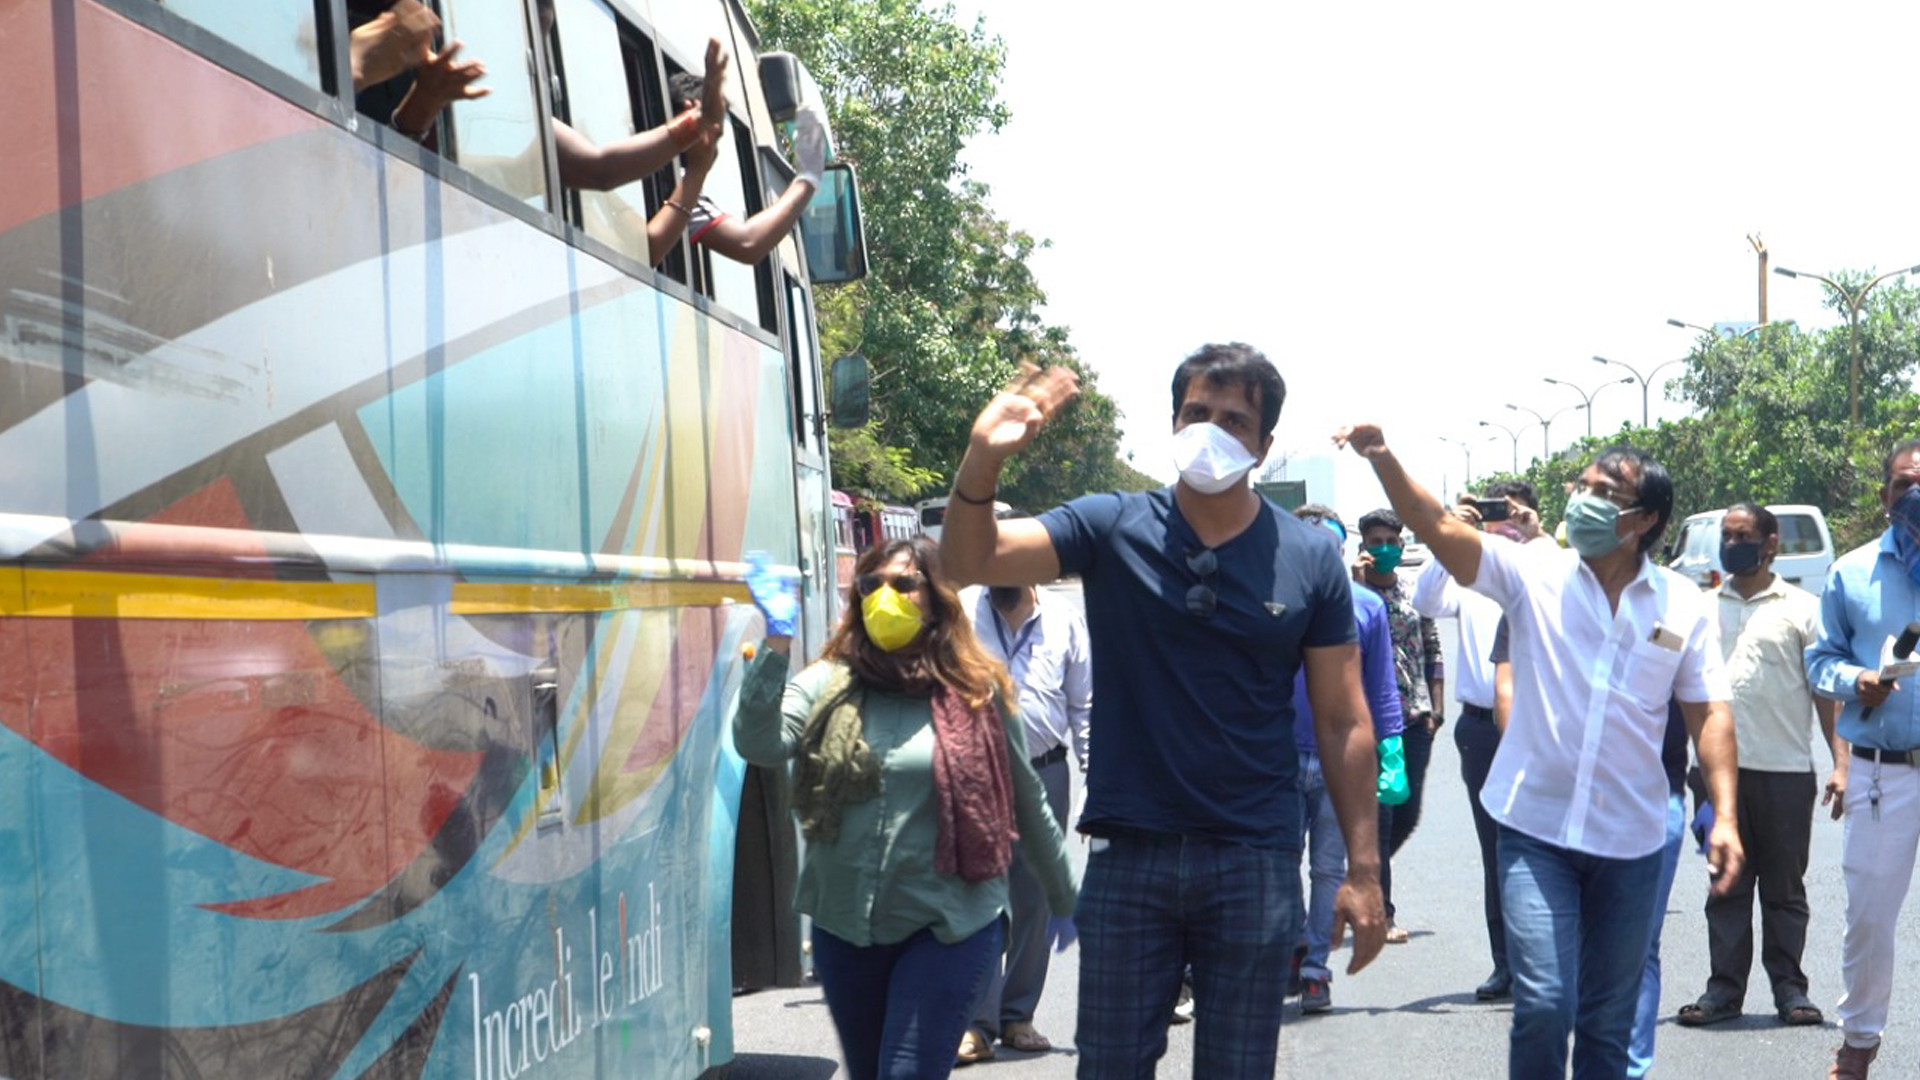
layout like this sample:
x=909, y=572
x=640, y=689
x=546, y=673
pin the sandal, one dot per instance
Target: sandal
x=1023, y=1038
x=1707, y=1011
x=1802, y=1013
x=974, y=1048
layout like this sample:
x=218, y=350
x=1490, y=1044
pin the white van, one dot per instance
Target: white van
x=933, y=513
x=1806, y=548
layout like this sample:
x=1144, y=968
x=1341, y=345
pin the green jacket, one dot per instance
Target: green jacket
x=876, y=884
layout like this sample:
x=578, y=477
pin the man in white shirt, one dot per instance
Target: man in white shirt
x=1601, y=639
x=1475, y=734
x=1043, y=641
x=1766, y=626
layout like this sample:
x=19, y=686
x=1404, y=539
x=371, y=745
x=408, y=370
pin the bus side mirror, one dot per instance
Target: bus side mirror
x=780, y=82
x=831, y=229
x=852, y=395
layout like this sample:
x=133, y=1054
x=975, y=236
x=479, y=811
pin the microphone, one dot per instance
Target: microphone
x=1902, y=649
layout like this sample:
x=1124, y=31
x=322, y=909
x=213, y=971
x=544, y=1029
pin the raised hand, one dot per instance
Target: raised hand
x=1015, y=415
x=393, y=41
x=713, y=99
x=1367, y=440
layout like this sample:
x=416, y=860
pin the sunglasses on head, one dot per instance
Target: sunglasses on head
x=868, y=584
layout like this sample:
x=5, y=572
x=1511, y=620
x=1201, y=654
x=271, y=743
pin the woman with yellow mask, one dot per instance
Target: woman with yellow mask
x=912, y=787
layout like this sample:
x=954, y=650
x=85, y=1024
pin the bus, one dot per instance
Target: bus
x=860, y=524
x=371, y=548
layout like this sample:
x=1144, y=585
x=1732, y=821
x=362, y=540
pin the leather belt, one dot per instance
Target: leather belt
x=1884, y=757
x=1051, y=757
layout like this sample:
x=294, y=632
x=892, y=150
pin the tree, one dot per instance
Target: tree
x=950, y=307
x=1773, y=424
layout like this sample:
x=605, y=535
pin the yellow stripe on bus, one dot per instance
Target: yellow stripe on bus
x=91, y=594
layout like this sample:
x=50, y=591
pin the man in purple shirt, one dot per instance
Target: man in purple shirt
x=1326, y=848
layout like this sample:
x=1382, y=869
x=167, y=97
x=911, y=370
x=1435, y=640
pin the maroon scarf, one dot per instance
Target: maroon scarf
x=972, y=789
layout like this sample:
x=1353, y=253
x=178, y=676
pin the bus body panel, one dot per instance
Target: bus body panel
x=370, y=602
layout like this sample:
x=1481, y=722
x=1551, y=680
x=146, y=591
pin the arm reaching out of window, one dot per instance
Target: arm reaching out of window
x=749, y=241
x=622, y=161
x=440, y=83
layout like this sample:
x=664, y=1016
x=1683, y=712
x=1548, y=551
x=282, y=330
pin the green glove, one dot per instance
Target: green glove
x=1393, y=772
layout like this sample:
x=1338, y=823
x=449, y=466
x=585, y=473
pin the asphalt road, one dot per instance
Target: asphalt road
x=1411, y=1013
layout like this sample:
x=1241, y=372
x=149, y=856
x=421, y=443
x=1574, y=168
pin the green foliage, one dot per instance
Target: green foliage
x=1773, y=424
x=950, y=308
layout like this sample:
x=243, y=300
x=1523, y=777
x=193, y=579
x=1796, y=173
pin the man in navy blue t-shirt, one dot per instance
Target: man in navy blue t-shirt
x=1203, y=601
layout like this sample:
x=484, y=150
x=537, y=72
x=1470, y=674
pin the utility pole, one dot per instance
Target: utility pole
x=1760, y=249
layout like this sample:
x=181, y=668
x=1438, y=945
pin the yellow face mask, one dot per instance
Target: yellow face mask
x=892, y=619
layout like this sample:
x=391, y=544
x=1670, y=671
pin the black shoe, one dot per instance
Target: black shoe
x=1315, y=996
x=1498, y=987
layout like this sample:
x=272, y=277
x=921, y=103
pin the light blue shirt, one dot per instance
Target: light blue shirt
x=1869, y=600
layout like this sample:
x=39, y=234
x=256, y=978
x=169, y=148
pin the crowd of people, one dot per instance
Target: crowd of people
x=1254, y=696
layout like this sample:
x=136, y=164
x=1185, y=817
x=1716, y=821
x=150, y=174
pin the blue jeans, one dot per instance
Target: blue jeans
x=1647, y=1010
x=1153, y=904
x=901, y=1009
x=1326, y=866
x=1577, y=930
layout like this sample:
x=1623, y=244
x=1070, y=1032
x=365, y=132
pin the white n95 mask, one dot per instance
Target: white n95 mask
x=1209, y=459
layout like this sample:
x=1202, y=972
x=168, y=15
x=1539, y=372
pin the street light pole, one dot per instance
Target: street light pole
x=1466, y=447
x=1587, y=396
x=1546, y=426
x=1646, y=381
x=1748, y=332
x=1854, y=300
x=1512, y=434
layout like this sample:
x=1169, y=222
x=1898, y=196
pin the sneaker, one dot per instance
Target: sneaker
x=1850, y=1062
x=1396, y=934
x=1315, y=996
x=1183, y=1008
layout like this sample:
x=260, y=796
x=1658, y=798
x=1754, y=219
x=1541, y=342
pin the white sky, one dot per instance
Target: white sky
x=1419, y=210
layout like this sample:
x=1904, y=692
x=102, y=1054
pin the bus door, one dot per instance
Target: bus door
x=814, y=496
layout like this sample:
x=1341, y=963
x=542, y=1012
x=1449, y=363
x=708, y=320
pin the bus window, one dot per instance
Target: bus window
x=498, y=137
x=805, y=377
x=284, y=33
x=600, y=106
x=730, y=284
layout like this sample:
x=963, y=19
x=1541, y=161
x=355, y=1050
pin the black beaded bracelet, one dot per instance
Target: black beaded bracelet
x=966, y=498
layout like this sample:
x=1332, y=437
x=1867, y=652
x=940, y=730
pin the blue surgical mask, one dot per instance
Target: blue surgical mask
x=1590, y=523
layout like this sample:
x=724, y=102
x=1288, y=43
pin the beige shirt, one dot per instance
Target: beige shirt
x=1764, y=641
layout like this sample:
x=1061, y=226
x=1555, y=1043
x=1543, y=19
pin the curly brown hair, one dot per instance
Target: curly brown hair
x=946, y=653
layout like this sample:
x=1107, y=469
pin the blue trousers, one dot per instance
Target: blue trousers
x=901, y=1009
x=1577, y=932
x=1326, y=867
x=1153, y=904
x=1647, y=1010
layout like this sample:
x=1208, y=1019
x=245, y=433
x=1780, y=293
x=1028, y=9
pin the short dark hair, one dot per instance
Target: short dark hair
x=1656, y=487
x=1763, y=518
x=1234, y=364
x=683, y=89
x=1319, y=513
x=1900, y=449
x=1381, y=518
x=1515, y=489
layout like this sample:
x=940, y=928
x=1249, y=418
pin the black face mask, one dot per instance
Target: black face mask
x=1740, y=557
x=1005, y=597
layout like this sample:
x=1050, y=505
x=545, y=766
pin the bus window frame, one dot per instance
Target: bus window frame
x=338, y=110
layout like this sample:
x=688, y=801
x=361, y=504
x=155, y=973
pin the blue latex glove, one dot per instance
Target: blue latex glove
x=1392, y=785
x=1061, y=932
x=774, y=594
x=1702, y=825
